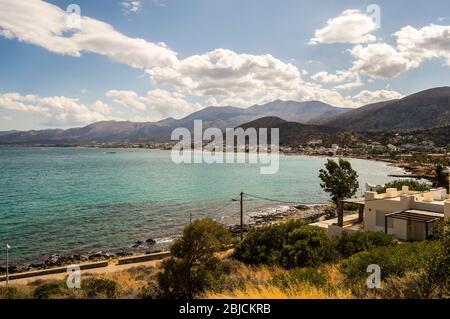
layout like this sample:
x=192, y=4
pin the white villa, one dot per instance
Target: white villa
x=405, y=214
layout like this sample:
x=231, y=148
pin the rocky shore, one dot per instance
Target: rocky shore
x=309, y=213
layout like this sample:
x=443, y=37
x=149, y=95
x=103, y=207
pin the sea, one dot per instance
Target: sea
x=61, y=200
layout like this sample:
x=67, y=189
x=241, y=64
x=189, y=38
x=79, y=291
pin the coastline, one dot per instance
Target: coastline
x=264, y=216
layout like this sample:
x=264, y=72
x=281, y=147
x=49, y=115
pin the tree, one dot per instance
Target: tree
x=339, y=179
x=440, y=178
x=194, y=266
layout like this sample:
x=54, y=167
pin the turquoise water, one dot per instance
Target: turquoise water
x=67, y=200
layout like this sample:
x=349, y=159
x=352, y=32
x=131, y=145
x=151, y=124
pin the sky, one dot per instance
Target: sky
x=70, y=63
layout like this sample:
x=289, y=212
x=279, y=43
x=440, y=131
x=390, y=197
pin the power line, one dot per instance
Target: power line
x=270, y=199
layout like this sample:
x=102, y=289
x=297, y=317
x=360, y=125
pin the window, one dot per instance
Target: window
x=380, y=219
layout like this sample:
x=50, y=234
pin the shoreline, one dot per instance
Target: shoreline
x=263, y=216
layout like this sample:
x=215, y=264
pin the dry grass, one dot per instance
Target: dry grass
x=250, y=282
x=268, y=291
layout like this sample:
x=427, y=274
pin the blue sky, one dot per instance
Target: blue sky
x=230, y=52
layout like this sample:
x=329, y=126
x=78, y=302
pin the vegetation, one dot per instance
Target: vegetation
x=285, y=260
x=348, y=244
x=290, y=244
x=413, y=185
x=339, y=179
x=194, y=266
x=101, y=288
x=436, y=279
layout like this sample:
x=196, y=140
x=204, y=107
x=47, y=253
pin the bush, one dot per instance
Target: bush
x=307, y=246
x=290, y=244
x=150, y=291
x=393, y=260
x=436, y=278
x=349, y=244
x=100, y=288
x=49, y=290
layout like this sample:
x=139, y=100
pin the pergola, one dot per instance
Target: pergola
x=360, y=201
x=413, y=215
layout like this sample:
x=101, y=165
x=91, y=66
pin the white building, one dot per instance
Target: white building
x=405, y=214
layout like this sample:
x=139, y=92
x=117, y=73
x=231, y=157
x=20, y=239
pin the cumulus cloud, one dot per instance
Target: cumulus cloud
x=45, y=25
x=429, y=42
x=367, y=97
x=339, y=77
x=413, y=47
x=225, y=74
x=379, y=60
x=351, y=26
x=55, y=110
x=163, y=102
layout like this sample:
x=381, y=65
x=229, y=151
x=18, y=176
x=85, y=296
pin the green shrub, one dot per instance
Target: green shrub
x=100, y=288
x=297, y=276
x=307, y=246
x=436, y=278
x=349, y=244
x=290, y=244
x=49, y=290
x=263, y=245
x=393, y=260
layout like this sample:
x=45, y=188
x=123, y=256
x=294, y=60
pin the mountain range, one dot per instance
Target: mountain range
x=428, y=110
x=220, y=117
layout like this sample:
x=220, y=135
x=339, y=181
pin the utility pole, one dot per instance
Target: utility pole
x=242, y=217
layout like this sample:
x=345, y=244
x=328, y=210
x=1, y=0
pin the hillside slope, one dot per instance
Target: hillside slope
x=423, y=110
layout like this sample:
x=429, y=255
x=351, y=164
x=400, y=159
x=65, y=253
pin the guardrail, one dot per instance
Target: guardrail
x=142, y=258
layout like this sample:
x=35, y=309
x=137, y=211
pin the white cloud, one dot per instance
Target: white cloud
x=351, y=26
x=367, y=97
x=225, y=74
x=429, y=42
x=55, y=110
x=43, y=24
x=339, y=77
x=163, y=102
x=349, y=85
x=413, y=47
x=379, y=60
